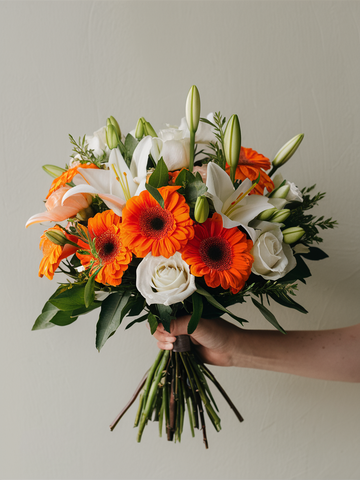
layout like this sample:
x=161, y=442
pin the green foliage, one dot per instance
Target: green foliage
x=160, y=176
x=218, y=148
x=111, y=316
x=192, y=186
x=154, y=192
x=86, y=155
x=309, y=223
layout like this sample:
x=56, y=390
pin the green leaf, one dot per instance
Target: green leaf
x=165, y=315
x=184, y=178
x=152, y=322
x=135, y=306
x=137, y=320
x=197, y=312
x=314, y=254
x=287, y=301
x=160, y=176
x=300, y=272
x=62, y=319
x=154, y=192
x=84, y=310
x=69, y=299
x=218, y=305
x=130, y=144
x=194, y=190
x=268, y=315
x=89, y=291
x=43, y=320
x=110, y=316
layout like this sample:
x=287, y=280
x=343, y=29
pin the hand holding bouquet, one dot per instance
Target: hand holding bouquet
x=152, y=226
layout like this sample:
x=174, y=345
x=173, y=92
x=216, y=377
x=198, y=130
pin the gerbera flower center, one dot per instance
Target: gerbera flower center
x=107, y=247
x=215, y=252
x=156, y=222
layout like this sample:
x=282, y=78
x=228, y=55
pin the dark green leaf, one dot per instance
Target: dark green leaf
x=69, y=299
x=62, y=319
x=130, y=144
x=268, y=315
x=218, y=305
x=84, y=310
x=165, y=315
x=43, y=320
x=138, y=305
x=287, y=301
x=314, y=254
x=300, y=272
x=197, y=312
x=184, y=178
x=160, y=176
x=154, y=192
x=89, y=291
x=152, y=322
x=133, y=303
x=137, y=320
x=110, y=316
x=194, y=190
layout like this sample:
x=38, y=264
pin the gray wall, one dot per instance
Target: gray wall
x=284, y=68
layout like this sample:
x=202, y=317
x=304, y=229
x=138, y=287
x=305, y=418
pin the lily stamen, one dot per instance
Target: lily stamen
x=124, y=184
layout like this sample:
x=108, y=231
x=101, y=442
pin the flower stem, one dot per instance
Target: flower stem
x=192, y=150
x=149, y=401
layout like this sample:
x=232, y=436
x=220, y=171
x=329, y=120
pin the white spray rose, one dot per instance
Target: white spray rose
x=164, y=280
x=294, y=194
x=273, y=259
x=173, y=147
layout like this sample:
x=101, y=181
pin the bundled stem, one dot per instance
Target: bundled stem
x=175, y=382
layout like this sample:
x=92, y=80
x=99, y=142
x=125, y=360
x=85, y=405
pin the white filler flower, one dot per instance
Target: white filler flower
x=164, y=280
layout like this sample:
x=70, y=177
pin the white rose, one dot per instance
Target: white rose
x=294, y=194
x=164, y=280
x=97, y=142
x=174, y=151
x=273, y=259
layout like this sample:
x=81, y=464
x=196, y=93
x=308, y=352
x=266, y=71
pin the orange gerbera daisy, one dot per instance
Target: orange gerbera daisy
x=110, y=256
x=67, y=176
x=220, y=255
x=148, y=228
x=53, y=254
x=250, y=164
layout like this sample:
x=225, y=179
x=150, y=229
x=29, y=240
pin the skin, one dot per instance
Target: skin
x=325, y=354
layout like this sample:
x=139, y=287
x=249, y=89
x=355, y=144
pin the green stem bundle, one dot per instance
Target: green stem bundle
x=177, y=382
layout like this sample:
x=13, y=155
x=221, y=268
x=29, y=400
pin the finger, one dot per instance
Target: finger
x=165, y=345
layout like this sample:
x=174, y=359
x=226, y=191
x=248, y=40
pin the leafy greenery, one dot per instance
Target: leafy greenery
x=84, y=154
x=309, y=223
x=218, y=148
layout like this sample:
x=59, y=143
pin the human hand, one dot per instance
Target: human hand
x=213, y=338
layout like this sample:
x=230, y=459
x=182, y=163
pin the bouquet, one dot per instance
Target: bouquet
x=151, y=226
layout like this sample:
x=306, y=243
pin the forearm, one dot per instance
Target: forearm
x=327, y=354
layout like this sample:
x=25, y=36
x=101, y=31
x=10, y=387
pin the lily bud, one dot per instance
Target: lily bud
x=280, y=192
x=266, y=214
x=148, y=129
x=292, y=235
x=287, y=151
x=112, y=121
x=201, y=211
x=192, y=109
x=56, y=237
x=112, y=138
x=280, y=216
x=139, y=130
x=53, y=170
x=232, y=144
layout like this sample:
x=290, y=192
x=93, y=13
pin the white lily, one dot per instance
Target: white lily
x=114, y=186
x=235, y=206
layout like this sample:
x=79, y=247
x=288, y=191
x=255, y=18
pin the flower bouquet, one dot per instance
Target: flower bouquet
x=151, y=226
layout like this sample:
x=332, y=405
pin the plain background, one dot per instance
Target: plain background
x=284, y=68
